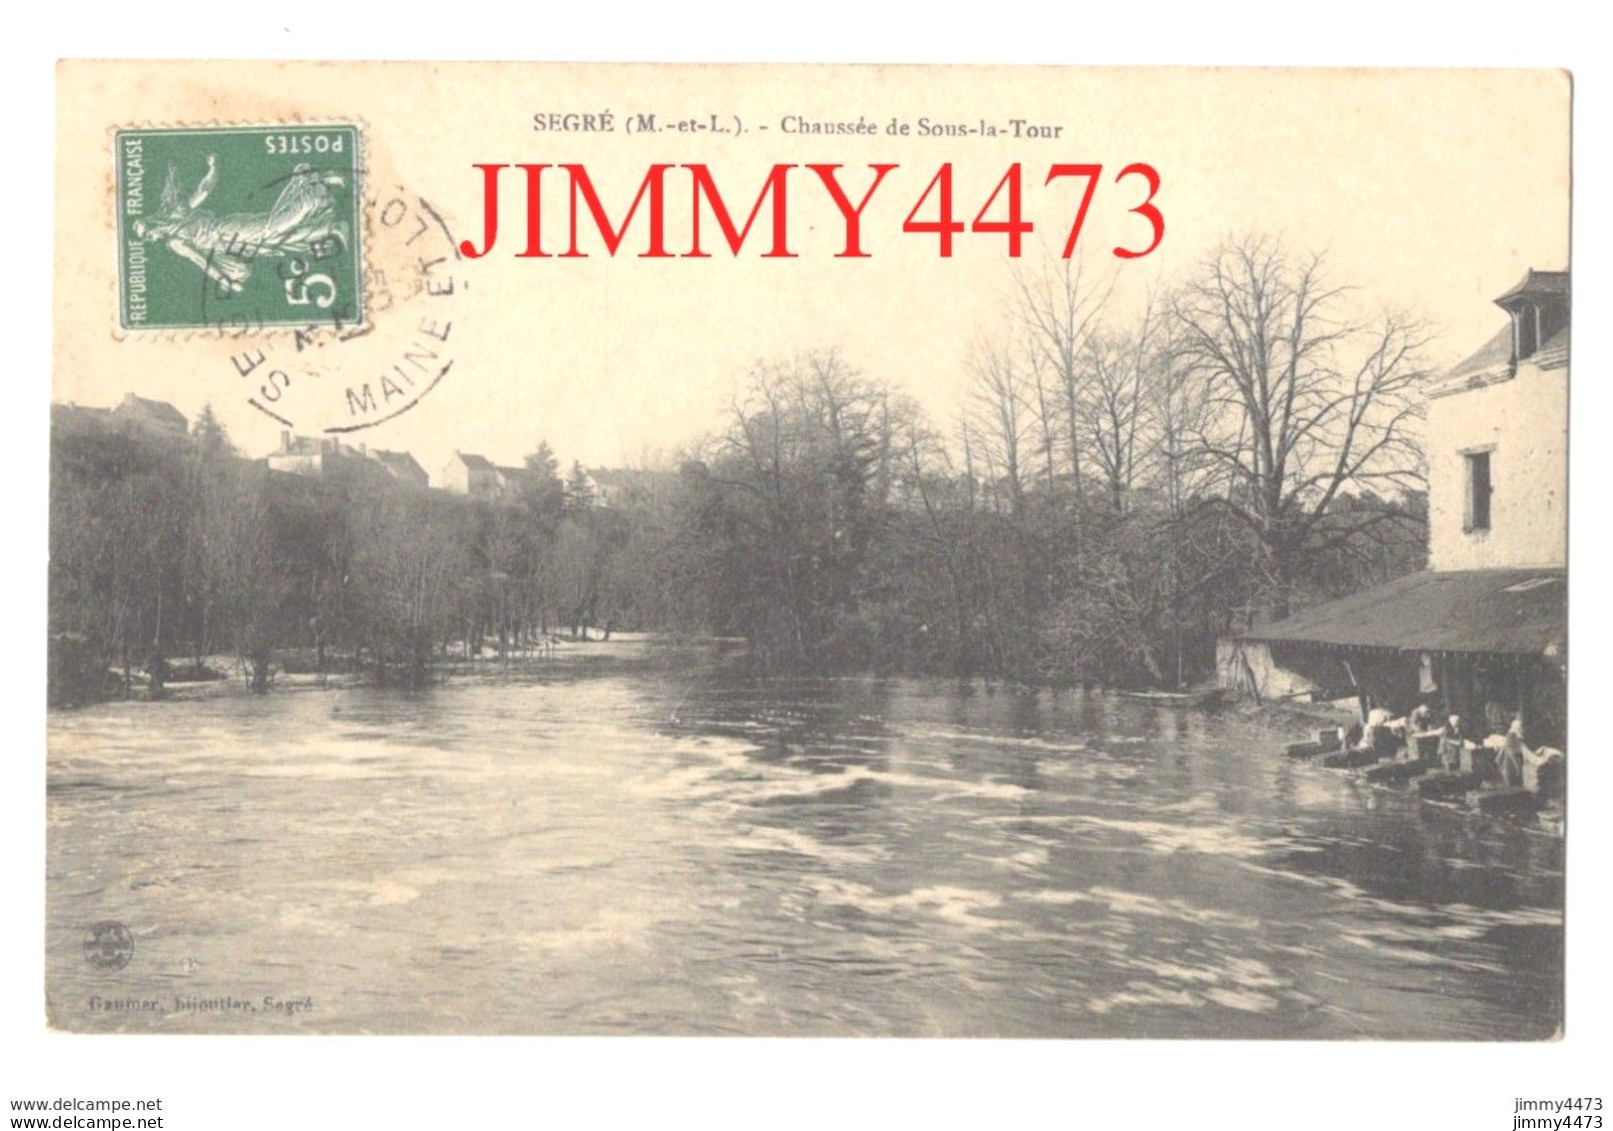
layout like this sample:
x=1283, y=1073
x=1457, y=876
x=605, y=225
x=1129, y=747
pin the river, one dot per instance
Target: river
x=636, y=839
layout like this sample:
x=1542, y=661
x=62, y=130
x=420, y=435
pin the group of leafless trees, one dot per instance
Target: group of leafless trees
x=173, y=551
x=1122, y=486
x=148, y=545
x=1125, y=482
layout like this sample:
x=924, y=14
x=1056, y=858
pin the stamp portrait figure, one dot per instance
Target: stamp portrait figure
x=302, y=221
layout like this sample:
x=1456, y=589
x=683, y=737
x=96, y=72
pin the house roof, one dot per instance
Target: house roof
x=160, y=410
x=1503, y=611
x=1553, y=352
x=1493, y=358
x=1535, y=284
x=475, y=462
x=1493, y=361
x=302, y=446
x=401, y=461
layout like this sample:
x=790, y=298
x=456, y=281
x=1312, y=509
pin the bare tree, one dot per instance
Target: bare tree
x=409, y=569
x=1178, y=409
x=1045, y=390
x=1304, y=402
x=805, y=471
x=236, y=545
x=1059, y=307
x=1001, y=408
x=1114, y=406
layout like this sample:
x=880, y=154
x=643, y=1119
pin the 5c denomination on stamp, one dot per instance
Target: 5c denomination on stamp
x=239, y=228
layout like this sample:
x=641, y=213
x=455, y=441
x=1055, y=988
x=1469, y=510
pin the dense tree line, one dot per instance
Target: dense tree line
x=1117, y=492
x=170, y=549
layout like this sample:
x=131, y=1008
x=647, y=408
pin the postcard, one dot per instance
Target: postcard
x=808, y=550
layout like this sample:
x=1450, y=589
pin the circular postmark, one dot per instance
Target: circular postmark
x=332, y=376
x=326, y=294
x=108, y=945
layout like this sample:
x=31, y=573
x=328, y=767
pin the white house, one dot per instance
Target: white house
x=1498, y=441
x=308, y=455
x=1483, y=631
x=479, y=477
x=469, y=474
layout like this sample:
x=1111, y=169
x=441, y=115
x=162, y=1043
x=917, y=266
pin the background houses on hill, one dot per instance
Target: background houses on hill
x=476, y=476
x=624, y=486
x=480, y=478
x=1483, y=632
x=466, y=473
x=469, y=474
x=157, y=419
x=326, y=456
x=308, y=455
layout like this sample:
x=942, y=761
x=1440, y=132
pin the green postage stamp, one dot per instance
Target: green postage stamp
x=238, y=228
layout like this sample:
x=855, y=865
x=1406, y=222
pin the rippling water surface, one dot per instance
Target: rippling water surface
x=634, y=840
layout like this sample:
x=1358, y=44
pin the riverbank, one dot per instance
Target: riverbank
x=681, y=845
x=303, y=668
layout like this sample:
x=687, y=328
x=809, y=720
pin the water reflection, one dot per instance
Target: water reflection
x=650, y=843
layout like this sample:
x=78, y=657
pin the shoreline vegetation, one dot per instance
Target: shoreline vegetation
x=1115, y=494
x=225, y=676
x=302, y=667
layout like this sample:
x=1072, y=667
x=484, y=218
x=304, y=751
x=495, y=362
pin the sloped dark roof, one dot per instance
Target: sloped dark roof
x=475, y=462
x=1536, y=283
x=1494, y=358
x=1510, y=611
x=398, y=461
x=1553, y=353
x=513, y=474
x=159, y=410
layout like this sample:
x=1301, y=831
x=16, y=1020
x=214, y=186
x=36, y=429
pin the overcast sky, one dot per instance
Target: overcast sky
x=1431, y=191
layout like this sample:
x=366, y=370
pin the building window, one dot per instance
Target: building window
x=1526, y=330
x=1478, y=491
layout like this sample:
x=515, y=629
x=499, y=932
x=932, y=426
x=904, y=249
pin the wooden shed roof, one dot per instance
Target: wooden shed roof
x=1503, y=611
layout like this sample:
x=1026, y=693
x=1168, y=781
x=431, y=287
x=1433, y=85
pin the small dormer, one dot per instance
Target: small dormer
x=1539, y=309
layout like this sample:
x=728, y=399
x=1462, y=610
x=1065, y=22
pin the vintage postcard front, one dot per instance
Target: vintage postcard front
x=778, y=550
